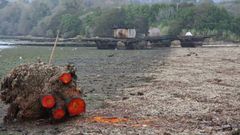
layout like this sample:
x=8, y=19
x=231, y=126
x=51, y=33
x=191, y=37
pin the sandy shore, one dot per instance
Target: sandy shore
x=165, y=91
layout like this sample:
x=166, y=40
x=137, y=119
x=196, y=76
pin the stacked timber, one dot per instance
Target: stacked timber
x=40, y=90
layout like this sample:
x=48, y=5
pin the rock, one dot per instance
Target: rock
x=55, y=131
x=237, y=132
x=176, y=44
x=192, y=54
x=165, y=133
x=140, y=93
x=132, y=94
x=125, y=98
x=111, y=55
x=19, y=130
x=227, y=128
x=2, y=128
x=121, y=45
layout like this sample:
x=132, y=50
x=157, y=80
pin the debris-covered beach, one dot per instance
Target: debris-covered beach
x=164, y=91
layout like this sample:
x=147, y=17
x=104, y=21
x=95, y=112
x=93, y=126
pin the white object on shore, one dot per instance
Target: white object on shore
x=74, y=49
x=20, y=58
x=188, y=34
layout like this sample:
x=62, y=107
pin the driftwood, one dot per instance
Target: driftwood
x=41, y=91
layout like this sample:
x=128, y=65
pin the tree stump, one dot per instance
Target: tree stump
x=41, y=91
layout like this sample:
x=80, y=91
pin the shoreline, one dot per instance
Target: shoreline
x=42, y=41
x=170, y=90
x=48, y=44
x=77, y=42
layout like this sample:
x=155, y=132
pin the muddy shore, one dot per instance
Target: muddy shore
x=165, y=91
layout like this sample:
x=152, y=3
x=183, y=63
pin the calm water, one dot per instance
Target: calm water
x=5, y=46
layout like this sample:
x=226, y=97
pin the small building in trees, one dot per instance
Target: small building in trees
x=124, y=32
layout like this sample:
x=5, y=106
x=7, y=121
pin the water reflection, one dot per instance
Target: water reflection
x=5, y=46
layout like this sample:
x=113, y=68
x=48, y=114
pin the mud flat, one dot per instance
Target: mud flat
x=165, y=91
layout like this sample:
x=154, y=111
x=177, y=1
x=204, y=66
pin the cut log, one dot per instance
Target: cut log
x=34, y=90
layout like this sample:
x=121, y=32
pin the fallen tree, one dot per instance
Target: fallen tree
x=41, y=91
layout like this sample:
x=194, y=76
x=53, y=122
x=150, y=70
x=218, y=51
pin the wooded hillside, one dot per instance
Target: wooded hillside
x=96, y=18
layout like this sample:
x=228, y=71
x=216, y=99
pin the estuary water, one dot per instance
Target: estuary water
x=4, y=45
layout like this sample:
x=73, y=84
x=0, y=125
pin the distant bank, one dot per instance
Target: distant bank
x=42, y=41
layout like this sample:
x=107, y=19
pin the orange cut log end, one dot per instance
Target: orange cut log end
x=58, y=114
x=76, y=106
x=48, y=101
x=66, y=78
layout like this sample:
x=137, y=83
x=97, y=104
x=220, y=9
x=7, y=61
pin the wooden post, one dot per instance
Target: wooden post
x=53, y=50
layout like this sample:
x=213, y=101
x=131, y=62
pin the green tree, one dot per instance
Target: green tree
x=9, y=18
x=206, y=1
x=235, y=27
x=108, y=20
x=72, y=6
x=70, y=25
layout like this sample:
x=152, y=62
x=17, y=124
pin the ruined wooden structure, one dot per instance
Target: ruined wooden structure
x=141, y=43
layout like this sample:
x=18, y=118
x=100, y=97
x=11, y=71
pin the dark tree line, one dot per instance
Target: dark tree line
x=92, y=18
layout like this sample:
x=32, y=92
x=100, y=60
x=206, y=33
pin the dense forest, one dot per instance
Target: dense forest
x=97, y=18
